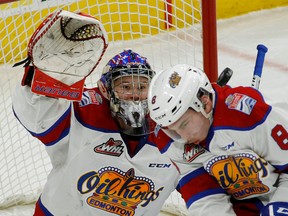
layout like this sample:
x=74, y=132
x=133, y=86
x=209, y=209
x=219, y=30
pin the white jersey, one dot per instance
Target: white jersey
x=97, y=172
x=250, y=140
x=249, y=145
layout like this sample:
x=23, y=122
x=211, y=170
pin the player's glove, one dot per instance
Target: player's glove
x=275, y=209
x=62, y=52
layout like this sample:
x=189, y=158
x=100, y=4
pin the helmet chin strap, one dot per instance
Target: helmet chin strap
x=210, y=114
x=207, y=115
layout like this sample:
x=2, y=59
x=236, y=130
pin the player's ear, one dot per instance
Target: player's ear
x=207, y=103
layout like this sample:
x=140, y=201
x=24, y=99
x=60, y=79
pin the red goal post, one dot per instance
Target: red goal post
x=167, y=32
x=210, y=53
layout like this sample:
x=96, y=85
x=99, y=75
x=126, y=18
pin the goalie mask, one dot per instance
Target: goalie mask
x=125, y=82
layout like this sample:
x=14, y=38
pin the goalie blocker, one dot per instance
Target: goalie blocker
x=62, y=52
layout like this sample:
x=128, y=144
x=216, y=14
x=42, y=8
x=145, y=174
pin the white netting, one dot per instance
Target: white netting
x=138, y=24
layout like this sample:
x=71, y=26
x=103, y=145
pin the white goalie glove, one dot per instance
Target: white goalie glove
x=62, y=52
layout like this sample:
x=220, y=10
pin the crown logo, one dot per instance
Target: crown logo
x=239, y=174
x=174, y=79
x=116, y=191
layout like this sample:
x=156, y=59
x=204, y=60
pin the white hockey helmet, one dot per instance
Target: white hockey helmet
x=174, y=90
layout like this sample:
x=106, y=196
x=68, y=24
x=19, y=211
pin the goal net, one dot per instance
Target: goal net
x=167, y=32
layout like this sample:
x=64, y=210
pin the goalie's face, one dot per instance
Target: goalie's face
x=129, y=104
x=131, y=88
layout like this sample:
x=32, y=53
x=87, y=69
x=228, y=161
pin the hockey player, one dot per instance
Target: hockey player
x=247, y=136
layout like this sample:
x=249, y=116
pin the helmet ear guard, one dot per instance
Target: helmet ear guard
x=203, y=96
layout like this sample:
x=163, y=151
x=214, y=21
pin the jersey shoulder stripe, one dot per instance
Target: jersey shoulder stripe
x=57, y=131
x=93, y=112
x=198, y=184
x=240, y=108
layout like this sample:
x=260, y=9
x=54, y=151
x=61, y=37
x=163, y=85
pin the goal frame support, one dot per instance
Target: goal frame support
x=209, y=28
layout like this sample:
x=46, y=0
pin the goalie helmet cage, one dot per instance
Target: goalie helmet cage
x=166, y=32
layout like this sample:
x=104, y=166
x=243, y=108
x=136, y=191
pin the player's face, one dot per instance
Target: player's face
x=192, y=127
x=134, y=88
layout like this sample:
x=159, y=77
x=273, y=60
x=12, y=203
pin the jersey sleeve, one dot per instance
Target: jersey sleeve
x=87, y=112
x=282, y=189
x=241, y=108
x=254, y=124
x=200, y=191
x=273, y=136
x=245, y=122
x=47, y=119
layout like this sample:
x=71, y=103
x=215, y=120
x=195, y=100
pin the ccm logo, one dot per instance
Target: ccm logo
x=156, y=165
x=160, y=117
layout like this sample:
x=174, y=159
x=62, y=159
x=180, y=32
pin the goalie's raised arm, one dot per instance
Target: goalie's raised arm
x=62, y=52
x=101, y=147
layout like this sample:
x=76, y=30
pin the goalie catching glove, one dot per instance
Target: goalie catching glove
x=62, y=52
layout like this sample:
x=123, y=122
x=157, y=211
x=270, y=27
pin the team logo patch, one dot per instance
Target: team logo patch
x=111, y=147
x=90, y=97
x=174, y=80
x=192, y=151
x=240, y=102
x=117, y=192
x=240, y=175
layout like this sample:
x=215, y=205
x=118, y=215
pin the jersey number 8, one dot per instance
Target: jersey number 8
x=280, y=136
